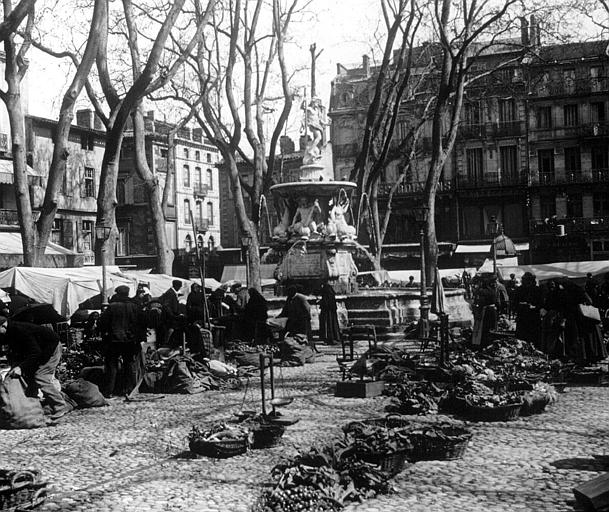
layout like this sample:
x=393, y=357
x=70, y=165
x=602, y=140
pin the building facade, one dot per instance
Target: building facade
x=530, y=157
x=193, y=207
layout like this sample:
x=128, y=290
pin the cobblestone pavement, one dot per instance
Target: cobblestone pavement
x=131, y=456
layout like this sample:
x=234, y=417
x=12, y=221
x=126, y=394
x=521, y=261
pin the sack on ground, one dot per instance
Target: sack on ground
x=85, y=393
x=296, y=352
x=17, y=410
x=94, y=374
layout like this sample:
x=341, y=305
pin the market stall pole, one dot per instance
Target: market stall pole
x=102, y=233
x=420, y=214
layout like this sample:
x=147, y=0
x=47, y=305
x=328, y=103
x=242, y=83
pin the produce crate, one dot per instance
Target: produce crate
x=359, y=388
x=503, y=413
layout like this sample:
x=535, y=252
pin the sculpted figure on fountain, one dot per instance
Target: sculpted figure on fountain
x=316, y=121
x=337, y=224
x=305, y=220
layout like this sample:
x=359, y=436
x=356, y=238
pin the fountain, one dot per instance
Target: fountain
x=315, y=242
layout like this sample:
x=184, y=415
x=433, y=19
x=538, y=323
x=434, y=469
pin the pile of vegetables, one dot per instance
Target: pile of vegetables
x=495, y=400
x=78, y=356
x=413, y=398
x=217, y=431
x=322, y=480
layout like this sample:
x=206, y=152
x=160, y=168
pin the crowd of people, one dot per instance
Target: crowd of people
x=559, y=317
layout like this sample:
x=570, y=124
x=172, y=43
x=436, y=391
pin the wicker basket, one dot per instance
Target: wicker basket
x=23, y=498
x=389, y=421
x=267, y=435
x=222, y=449
x=391, y=463
x=450, y=445
x=503, y=413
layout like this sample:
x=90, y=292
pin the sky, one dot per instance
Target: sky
x=340, y=28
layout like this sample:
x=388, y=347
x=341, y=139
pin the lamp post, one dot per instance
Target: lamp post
x=502, y=246
x=420, y=215
x=102, y=233
x=246, y=242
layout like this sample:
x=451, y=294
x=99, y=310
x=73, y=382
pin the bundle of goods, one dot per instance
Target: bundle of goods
x=536, y=400
x=183, y=375
x=413, y=397
x=21, y=490
x=242, y=354
x=439, y=441
x=219, y=441
x=322, y=480
x=496, y=407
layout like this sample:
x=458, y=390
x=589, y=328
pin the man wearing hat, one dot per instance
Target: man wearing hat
x=119, y=326
x=34, y=352
x=171, y=307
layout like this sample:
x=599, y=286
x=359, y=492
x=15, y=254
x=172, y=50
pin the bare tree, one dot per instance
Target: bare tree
x=243, y=47
x=461, y=29
x=148, y=76
x=15, y=69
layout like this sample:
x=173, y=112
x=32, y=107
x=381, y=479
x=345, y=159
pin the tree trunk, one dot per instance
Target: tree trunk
x=151, y=182
x=22, y=190
x=376, y=243
x=106, y=198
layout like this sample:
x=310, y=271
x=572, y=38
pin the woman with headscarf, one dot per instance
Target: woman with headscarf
x=528, y=300
x=195, y=304
x=329, y=330
x=253, y=320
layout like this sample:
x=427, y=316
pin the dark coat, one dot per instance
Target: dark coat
x=120, y=321
x=195, y=306
x=329, y=329
x=170, y=302
x=29, y=345
x=298, y=313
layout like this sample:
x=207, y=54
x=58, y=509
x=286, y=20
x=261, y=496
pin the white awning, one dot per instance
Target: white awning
x=6, y=172
x=486, y=248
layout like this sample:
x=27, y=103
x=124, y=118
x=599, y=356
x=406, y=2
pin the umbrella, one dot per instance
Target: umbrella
x=437, y=295
x=38, y=314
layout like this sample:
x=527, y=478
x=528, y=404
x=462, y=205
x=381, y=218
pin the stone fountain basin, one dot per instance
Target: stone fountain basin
x=312, y=189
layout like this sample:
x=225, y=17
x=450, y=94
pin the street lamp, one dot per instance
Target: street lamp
x=420, y=214
x=102, y=233
x=246, y=242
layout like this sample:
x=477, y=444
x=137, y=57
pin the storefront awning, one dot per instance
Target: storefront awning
x=6, y=172
x=486, y=248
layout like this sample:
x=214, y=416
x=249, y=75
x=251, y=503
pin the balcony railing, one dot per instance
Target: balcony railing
x=502, y=129
x=413, y=188
x=578, y=86
x=507, y=129
x=9, y=218
x=492, y=180
x=572, y=225
x=572, y=177
x=472, y=131
x=200, y=189
x=202, y=225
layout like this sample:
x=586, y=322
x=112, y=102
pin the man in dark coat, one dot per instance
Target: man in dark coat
x=119, y=326
x=528, y=301
x=171, y=307
x=34, y=352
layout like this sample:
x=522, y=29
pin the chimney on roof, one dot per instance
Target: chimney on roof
x=286, y=145
x=366, y=64
x=534, y=34
x=524, y=31
x=84, y=118
x=150, y=115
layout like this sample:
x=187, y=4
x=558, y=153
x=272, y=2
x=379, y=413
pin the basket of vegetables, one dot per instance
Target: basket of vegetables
x=378, y=445
x=504, y=407
x=441, y=441
x=219, y=441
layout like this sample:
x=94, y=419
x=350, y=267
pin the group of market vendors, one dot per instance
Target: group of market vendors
x=34, y=351
x=555, y=316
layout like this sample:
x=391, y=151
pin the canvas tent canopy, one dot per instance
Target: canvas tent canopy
x=234, y=273
x=11, y=252
x=572, y=269
x=66, y=288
